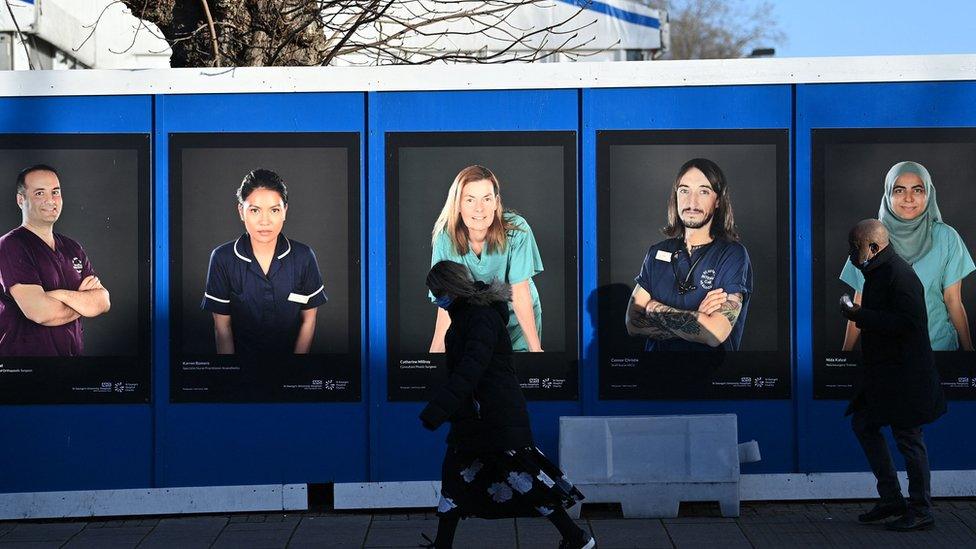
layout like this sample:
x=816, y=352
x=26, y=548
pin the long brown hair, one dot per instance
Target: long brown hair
x=449, y=221
x=723, y=222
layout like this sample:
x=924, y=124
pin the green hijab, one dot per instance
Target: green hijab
x=911, y=238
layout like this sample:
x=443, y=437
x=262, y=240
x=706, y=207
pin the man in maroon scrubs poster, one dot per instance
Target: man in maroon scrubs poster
x=46, y=281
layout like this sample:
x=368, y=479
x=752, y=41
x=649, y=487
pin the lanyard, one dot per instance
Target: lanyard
x=686, y=285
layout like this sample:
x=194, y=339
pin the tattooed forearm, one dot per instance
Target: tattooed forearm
x=676, y=321
x=731, y=308
x=638, y=324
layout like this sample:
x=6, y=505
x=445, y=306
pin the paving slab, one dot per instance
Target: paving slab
x=400, y=532
x=853, y=534
x=331, y=531
x=783, y=534
x=109, y=538
x=185, y=533
x=253, y=538
x=539, y=532
x=43, y=531
x=725, y=535
x=630, y=533
x=485, y=534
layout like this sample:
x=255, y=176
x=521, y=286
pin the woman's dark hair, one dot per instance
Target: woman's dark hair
x=454, y=279
x=450, y=278
x=723, y=222
x=262, y=179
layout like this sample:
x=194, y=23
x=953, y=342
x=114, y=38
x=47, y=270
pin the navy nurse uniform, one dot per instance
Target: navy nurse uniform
x=265, y=310
x=679, y=280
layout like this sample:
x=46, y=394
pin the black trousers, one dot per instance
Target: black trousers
x=911, y=447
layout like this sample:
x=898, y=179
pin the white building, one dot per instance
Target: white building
x=103, y=34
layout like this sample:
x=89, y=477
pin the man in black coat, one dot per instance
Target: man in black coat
x=900, y=386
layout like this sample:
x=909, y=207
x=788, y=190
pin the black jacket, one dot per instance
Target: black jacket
x=482, y=397
x=900, y=384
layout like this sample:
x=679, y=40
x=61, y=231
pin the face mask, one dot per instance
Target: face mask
x=444, y=301
x=855, y=257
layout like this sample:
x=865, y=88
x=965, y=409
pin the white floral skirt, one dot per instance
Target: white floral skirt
x=515, y=483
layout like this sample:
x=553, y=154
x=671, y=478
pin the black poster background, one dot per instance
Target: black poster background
x=105, y=180
x=849, y=166
x=322, y=174
x=632, y=207
x=537, y=172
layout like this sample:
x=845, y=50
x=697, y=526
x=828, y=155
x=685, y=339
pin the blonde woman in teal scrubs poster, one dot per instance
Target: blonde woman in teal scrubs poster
x=475, y=230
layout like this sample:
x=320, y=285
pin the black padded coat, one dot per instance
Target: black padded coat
x=900, y=385
x=482, y=397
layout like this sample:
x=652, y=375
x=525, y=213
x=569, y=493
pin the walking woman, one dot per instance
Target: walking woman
x=492, y=468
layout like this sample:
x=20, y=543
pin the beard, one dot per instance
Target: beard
x=696, y=224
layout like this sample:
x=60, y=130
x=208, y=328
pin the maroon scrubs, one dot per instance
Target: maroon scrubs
x=26, y=259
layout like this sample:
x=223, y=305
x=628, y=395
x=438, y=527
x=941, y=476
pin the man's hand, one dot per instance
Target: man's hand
x=847, y=307
x=90, y=282
x=713, y=301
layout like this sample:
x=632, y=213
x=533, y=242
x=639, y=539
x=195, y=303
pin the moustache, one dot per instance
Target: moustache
x=687, y=210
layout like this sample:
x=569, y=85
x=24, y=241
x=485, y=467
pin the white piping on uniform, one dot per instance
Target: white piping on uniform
x=217, y=299
x=237, y=253
x=309, y=296
x=286, y=253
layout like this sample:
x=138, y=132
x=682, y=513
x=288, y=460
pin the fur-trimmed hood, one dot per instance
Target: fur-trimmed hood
x=496, y=291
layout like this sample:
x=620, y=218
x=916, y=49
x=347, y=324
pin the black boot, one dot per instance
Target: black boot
x=910, y=521
x=884, y=509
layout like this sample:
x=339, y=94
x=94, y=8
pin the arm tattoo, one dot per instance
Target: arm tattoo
x=646, y=326
x=731, y=308
x=674, y=320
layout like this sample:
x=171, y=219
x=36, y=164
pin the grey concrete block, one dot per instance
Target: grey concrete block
x=650, y=464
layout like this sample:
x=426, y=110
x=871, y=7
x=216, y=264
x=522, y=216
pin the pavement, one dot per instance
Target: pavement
x=807, y=524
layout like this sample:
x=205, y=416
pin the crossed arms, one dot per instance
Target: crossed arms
x=58, y=307
x=711, y=324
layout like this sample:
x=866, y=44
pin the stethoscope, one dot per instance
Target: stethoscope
x=685, y=285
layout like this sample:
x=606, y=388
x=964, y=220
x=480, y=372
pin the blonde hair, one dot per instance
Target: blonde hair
x=449, y=221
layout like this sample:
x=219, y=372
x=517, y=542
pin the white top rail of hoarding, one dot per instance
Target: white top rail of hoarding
x=629, y=74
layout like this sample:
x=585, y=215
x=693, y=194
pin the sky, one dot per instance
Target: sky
x=875, y=27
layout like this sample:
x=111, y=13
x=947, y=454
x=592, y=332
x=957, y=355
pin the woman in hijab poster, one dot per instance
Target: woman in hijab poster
x=910, y=212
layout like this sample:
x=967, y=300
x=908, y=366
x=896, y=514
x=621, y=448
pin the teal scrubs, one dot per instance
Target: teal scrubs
x=519, y=261
x=945, y=264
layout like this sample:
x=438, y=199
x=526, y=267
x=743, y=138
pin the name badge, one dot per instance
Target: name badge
x=663, y=256
x=298, y=298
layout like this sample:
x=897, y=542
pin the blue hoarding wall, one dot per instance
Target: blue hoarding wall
x=164, y=444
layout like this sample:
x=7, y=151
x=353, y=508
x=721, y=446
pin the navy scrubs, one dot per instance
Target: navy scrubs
x=265, y=310
x=720, y=264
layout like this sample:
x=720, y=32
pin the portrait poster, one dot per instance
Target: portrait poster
x=293, y=312
x=536, y=172
x=637, y=180
x=75, y=269
x=850, y=168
